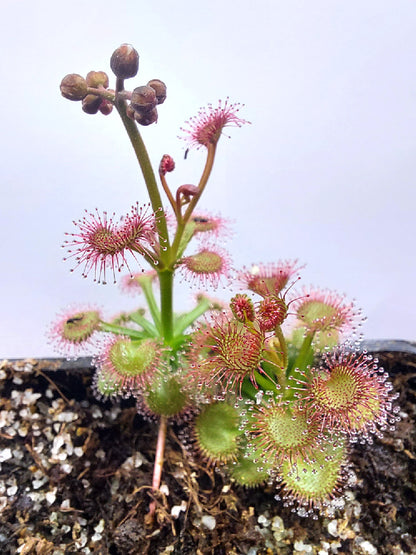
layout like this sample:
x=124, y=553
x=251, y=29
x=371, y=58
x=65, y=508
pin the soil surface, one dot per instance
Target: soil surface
x=75, y=475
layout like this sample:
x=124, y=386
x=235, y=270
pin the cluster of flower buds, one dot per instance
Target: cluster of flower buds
x=89, y=91
x=144, y=100
x=96, y=97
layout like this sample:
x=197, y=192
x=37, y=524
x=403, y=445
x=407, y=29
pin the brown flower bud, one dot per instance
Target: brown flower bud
x=130, y=112
x=125, y=61
x=159, y=88
x=96, y=79
x=143, y=98
x=74, y=87
x=91, y=104
x=147, y=117
x=105, y=107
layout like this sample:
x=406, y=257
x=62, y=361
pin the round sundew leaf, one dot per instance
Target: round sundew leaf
x=165, y=396
x=80, y=326
x=239, y=348
x=133, y=358
x=326, y=339
x=317, y=479
x=323, y=340
x=313, y=311
x=283, y=433
x=206, y=128
x=349, y=399
x=205, y=262
x=217, y=432
x=249, y=470
x=106, y=382
x=296, y=339
x=204, y=224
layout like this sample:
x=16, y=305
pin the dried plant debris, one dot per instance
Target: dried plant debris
x=74, y=475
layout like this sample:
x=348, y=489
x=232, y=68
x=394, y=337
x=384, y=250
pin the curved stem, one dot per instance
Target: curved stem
x=203, y=181
x=169, y=195
x=201, y=186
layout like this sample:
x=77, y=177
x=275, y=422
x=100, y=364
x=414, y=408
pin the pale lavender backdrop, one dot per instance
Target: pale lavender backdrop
x=325, y=173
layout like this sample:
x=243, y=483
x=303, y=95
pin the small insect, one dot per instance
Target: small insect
x=199, y=220
x=186, y=154
x=75, y=319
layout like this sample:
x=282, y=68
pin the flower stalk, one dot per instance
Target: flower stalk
x=183, y=220
x=149, y=178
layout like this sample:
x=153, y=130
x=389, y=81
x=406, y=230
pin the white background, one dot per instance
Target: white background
x=325, y=173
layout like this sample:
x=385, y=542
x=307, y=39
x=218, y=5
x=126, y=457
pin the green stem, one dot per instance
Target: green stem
x=120, y=330
x=166, y=303
x=185, y=320
x=273, y=364
x=139, y=319
x=305, y=354
x=266, y=384
x=146, y=285
x=283, y=345
x=169, y=195
x=248, y=390
x=305, y=357
x=149, y=177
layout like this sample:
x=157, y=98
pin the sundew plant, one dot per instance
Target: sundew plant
x=271, y=387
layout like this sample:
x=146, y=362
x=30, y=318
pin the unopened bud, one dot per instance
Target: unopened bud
x=130, y=112
x=242, y=308
x=74, y=87
x=105, y=107
x=159, y=88
x=143, y=98
x=166, y=165
x=125, y=61
x=272, y=312
x=96, y=79
x=91, y=104
x=147, y=117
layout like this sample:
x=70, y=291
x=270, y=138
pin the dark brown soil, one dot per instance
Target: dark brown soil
x=75, y=475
